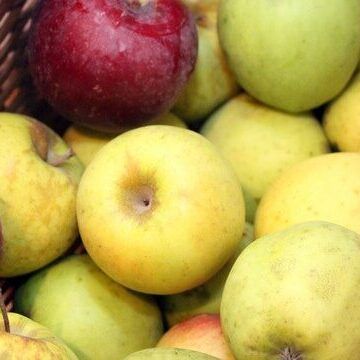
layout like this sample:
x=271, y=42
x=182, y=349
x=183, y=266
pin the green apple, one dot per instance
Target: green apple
x=169, y=354
x=159, y=210
x=96, y=317
x=294, y=295
x=204, y=299
x=201, y=333
x=293, y=55
x=37, y=195
x=342, y=118
x=324, y=188
x=212, y=82
x=28, y=340
x=261, y=142
x=87, y=142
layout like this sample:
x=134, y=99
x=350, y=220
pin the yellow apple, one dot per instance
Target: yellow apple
x=28, y=340
x=37, y=195
x=169, y=354
x=342, y=118
x=159, y=210
x=294, y=295
x=261, y=142
x=325, y=188
x=87, y=142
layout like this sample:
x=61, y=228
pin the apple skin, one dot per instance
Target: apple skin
x=295, y=289
x=160, y=195
x=110, y=65
x=29, y=340
x=323, y=188
x=201, y=333
x=96, y=317
x=86, y=142
x=212, y=82
x=37, y=197
x=169, y=354
x=299, y=55
x=261, y=142
x=341, y=120
x=206, y=298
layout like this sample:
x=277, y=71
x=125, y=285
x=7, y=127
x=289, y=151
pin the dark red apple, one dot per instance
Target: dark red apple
x=112, y=64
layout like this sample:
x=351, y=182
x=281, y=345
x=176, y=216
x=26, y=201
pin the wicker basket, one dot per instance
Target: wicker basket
x=17, y=93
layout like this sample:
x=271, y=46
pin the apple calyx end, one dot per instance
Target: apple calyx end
x=290, y=353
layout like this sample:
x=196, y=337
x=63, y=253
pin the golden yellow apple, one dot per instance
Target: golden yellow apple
x=342, y=118
x=326, y=188
x=159, y=210
x=38, y=189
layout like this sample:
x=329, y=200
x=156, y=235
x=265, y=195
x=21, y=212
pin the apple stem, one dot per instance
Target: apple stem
x=290, y=354
x=56, y=159
x=4, y=313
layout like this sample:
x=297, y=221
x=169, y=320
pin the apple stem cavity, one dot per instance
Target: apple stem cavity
x=59, y=159
x=4, y=313
x=290, y=354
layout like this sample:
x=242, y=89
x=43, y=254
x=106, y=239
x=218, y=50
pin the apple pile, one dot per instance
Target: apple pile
x=211, y=173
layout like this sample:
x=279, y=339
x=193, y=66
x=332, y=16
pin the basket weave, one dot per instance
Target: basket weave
x=17, y=94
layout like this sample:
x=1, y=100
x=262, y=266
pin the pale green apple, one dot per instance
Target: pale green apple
x=294, y=295
x=37, y=195
x=324, y=188
x=159, y=209
x=87, y=142
x=169, y=354
x=293, y=55
x=28, y=340
x=96, y=317
x=342, y=118
x=212, y=82
x=206, y=298
x=261, y=142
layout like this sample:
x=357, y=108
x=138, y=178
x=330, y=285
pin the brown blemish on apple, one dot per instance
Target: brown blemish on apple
x=290, y=353
x=43, y=140
x=138, y=190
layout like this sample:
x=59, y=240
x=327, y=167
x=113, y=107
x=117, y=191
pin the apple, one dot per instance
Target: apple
x=201, y=333
x=169, y=354
x=110, y=65
x=86, y=142
x=342, y=118
x=26, y=340
x=325, y=187
x=212, y=82
x=293, y=295
x=38, y=190
x=261, y=142
x=159, y=210
x=292, y=55
x=96, y=317
x=205, y=298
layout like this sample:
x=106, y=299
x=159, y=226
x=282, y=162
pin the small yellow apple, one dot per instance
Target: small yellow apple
x=159, y=210
x=37, y=195
x=325, y=188
x=342, y=118
x=261, y=142
x=87, y=142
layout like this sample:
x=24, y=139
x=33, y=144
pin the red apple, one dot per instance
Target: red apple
x=200, y=333
x=112, y=64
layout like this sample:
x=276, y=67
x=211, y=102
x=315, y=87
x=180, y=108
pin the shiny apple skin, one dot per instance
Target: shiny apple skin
x=112, y=64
